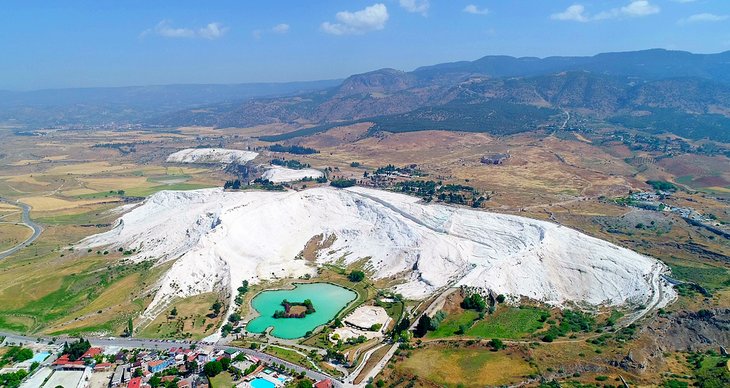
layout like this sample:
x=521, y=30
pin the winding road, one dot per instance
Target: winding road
x=25, y=221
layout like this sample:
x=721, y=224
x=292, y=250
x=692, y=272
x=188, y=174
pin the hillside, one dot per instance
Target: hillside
x=605, y=87
x=224, y=238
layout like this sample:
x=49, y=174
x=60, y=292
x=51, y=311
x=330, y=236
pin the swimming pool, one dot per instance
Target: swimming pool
x=262, y=383
x=39, y=357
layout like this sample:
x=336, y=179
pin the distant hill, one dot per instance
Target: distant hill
x=657, y=90
x=134, y=103
x=612, y=86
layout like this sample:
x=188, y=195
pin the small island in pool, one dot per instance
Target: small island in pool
x=295, y=309
x=329, y=299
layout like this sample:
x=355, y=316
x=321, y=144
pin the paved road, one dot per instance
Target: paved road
x=37, y=229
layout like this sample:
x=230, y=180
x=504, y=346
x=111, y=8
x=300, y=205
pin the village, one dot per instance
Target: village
x=75, y=363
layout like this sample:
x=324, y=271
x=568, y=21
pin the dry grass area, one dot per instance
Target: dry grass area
x=46, y=204
x=191, y=320
x=12, y=235
x=468, y=366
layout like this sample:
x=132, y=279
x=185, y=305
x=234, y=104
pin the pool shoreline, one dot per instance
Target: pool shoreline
x=268, y=331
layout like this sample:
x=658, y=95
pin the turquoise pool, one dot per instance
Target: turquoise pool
x=261, y=383
x=328, y=300
x=39, y=357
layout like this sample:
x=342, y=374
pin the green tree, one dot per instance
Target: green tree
x=424, y=323
x=474, y=302
x=356, y=276
x=305, y=383
x=155, y=381
x=213, y=368
x=497, y=344
x=216, y=308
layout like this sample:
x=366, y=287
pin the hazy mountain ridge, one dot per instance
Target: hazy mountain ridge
x=133, y=103
x=603, y=86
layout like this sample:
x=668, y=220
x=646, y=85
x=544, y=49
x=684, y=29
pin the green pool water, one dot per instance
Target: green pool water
x=328, y=300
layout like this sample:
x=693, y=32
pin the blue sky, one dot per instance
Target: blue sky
x=51, y=44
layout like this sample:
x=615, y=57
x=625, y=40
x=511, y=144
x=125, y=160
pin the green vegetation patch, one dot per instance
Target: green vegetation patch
x=221, y=380
x=510, y=322
x=707, y=276
x=452, y=324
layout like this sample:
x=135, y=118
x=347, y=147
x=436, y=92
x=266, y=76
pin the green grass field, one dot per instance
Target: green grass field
x=451, y=323
x=510, y=322
x=506, y=322
x=223, y=380
x=288, y=355
x=707, y=276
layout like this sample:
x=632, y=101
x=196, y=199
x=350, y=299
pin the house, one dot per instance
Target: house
x=103, y=367
x=167, y=379
x=230, y=353
x=202, y=358
x=326, y=383
x=185, y=384
x=91, y=353
x=135, y=383
x=65, y=363
x=159, y=365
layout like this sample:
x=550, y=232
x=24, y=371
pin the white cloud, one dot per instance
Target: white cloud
x=416, y=6
x=165, y=29
x=474, y=10
x=575, y=12
x=703, y=18
x=635, y=8
x=370, y=18
x=684, y=1
x=281, y=28
x=212, y=31
x=639, y=8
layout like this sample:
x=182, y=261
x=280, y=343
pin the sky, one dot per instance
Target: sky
x=62, y=44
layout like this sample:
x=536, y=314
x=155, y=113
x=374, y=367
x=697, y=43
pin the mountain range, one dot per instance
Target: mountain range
x=656, y=90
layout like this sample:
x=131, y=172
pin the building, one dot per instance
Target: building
x=494, y=158
x=230, y=353
x=135, y=383
x=103, y=367
x=326, y=383
x=91, y=353
x=117, y=376
x=159, y=365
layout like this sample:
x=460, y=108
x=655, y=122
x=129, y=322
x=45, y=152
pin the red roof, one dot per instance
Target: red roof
x=135, y=383
x=155, y=363
x=64, y=360
x=92, y=352
x=102, y=365
x=165, y=379
x=326, y=383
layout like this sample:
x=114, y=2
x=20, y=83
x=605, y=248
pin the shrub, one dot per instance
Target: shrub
x=497, y=344
x=356, y=276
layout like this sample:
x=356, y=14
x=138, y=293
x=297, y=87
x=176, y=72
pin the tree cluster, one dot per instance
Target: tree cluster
x=356, y=276
x=474, y=302
x=76, y=349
